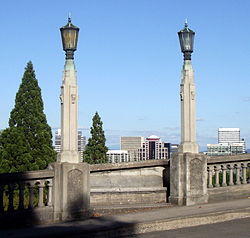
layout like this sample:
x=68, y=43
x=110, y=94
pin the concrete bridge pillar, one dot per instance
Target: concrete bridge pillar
x=188, y=168
x=188, y=179
x=71, y=192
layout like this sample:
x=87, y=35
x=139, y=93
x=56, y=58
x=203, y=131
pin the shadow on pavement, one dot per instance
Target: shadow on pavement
x=93, y=227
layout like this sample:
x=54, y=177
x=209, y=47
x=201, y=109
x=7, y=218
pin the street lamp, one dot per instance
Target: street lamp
x=69, y=34
x=69, y=97
x=186, y=38
x=187, y=94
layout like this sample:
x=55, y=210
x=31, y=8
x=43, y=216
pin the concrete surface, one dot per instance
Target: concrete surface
x=231, y=229
x=126, y=225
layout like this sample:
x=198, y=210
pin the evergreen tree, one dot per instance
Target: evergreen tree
x=95, y=151
x=27, y=143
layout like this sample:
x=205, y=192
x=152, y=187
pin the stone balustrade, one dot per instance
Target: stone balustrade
x=27, y=190
x=226, y=171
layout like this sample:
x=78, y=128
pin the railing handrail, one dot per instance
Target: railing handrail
x=128, y=165
x=25, y=176
x=228, y=158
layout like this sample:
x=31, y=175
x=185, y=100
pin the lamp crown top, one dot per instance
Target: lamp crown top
x=186, y=23
x=69, y=24
x=69, y=18
x=186, y=29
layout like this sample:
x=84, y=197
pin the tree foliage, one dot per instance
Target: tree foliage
x=96, y=150
x=27, y=143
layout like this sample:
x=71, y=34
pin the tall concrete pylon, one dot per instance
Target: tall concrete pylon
x=187, y=94
x=69, y=98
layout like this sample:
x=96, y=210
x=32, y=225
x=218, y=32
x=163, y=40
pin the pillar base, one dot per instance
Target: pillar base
x=188, y=179
x=71, y=191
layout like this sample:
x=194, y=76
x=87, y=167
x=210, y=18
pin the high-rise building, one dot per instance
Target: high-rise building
x=81, y=141
x=118, y=156
x=139, y=148
x=225, y=149
x=229, y=135
x=57, y=140
x=131, y=144
x=172, y=148
x=153, y=149
x=229, y=143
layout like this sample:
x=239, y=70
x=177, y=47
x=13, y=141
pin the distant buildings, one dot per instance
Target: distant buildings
x=153, y=148
x=131, y=144
x=81, y=141
x=118, y=156
x=229, y=143
x=229, y=135
x=137, y=148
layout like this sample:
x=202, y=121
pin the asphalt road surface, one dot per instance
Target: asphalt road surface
x=231, y=229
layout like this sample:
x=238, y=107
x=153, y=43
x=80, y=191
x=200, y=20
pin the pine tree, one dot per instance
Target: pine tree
x=27, y=143
x=96, y=150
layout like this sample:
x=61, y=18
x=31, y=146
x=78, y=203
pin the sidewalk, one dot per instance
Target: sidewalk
x=125, y=225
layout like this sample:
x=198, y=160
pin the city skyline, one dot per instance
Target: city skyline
x=129, y=61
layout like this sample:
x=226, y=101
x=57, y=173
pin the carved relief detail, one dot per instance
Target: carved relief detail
x=75, y=185
x=196, y=176
x=182, y=93
x=192, y=95
x=73, y=98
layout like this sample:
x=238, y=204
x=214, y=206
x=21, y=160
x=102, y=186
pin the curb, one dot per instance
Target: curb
x=196, y=220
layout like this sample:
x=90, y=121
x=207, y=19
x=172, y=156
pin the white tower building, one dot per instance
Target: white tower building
x=229, y=135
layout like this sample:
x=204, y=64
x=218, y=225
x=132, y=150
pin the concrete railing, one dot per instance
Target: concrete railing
x=14, y=185
x=126, y=183
x=58, y=193
x=228, y=170
x=228, y=176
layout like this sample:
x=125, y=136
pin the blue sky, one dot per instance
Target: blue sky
x=129, y=61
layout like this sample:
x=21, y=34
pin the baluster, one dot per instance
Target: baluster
x=40, y=194
x=231, y=182
x=21, y=196
x=50, y=193
x=244, y=173
x=248, y=168
x=31, y=195
x=224, y=176
x=11, y=193
x=210, y=176
x=238, y=167
x=1, y=198
x=217, y=183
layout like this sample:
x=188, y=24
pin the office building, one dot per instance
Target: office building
x=153, y=149
x=229, y=135
x=57, y=141
x=229, y=143
x=81, y=141
x=131, y=144
x=225, y=149
x=118, y=156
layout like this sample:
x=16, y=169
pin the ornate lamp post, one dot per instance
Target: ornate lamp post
x=69, y=97
x=71, y=183
x=188, y=168
x=187, y=94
